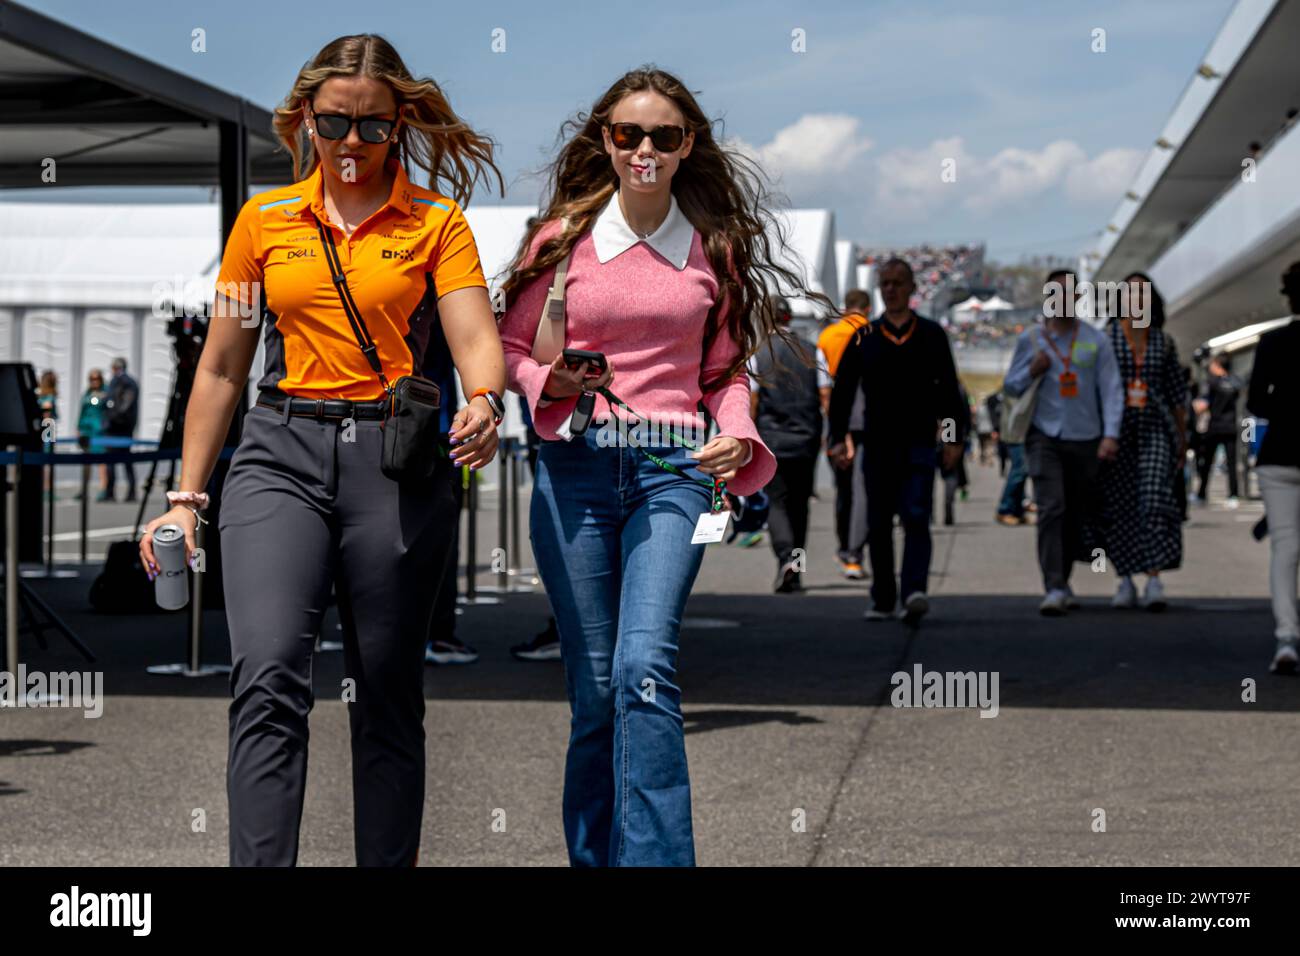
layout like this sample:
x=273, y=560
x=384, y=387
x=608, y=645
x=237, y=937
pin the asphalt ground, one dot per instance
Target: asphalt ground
x=797, y=755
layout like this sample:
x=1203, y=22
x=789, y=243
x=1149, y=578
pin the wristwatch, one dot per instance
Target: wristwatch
x=494, y=402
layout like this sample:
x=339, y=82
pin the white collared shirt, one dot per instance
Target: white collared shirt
x=612, y=235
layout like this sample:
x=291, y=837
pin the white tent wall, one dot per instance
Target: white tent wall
x=845, y=260
x=48, y=339
x=810, y=254
x=498, y=230
x=79, y=284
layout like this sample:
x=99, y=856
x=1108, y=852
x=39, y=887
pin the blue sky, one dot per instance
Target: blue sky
x=1043, y=132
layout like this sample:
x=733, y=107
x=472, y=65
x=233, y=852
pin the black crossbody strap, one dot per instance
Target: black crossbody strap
x=358, y=324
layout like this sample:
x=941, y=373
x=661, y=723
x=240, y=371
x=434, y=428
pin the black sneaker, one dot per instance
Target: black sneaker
x=449, y=651
x=1286, y=659
x=544, y=647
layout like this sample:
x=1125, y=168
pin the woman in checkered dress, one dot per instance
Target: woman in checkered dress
x=1141, y=524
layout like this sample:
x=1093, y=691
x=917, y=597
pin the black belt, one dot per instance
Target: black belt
x=329, y=408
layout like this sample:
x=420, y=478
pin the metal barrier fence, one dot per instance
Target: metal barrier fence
x=511, y=577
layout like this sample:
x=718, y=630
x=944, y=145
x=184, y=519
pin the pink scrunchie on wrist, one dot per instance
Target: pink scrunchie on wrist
x=197, y=498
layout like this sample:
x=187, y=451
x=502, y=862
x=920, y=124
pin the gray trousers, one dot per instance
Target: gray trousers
x=1065, y=490
x=305, y=508
x=851, y=504
x=1280, y=486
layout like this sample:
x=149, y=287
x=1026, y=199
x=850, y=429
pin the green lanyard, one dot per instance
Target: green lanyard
x=719, y=487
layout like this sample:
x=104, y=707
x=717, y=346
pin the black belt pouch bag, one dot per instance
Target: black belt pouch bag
x=410, y=451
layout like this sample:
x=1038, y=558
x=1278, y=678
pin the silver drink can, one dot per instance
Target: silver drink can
x=171, y=589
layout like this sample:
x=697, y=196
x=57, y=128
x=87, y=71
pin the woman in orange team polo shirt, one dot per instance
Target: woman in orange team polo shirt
x=306, y=505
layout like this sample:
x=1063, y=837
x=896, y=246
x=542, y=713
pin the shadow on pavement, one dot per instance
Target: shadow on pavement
x=811, y=649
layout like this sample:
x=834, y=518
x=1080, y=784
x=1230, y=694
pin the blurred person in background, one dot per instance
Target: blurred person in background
x=47, y=395
x=954, y=478
x=1274, y=395
x=1075, y=427
x=985, y=427
x=90, y=419
x=993, y=402
x=121, y=414
x=47, y=398
x=1141, y=528
x=545, y=644
x=850, y=491
x=1011, y=505
x=1186, y=464
x=785, y=402
x=1218, y=403
x=902, y=364
x=443, y=646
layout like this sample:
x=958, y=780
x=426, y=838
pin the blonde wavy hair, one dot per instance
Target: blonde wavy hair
x=431, y=136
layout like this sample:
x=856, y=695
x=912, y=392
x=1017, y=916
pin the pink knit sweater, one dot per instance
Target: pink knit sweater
x=648, y=318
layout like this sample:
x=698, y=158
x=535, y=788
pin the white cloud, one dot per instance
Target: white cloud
x=815, y=145
x=1104, y=177
x=1013, y=175
x=910, y=182
x=828, y=160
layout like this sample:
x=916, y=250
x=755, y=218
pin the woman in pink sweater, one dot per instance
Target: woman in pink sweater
x=649, y=210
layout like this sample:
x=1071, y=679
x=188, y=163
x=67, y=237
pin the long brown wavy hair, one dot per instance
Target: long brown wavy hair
x=719, y=190
x=431, y=136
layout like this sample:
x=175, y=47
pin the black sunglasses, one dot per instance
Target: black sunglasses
x=666, y=139
x=373, y=129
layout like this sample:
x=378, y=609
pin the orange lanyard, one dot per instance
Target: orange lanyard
x=1138, y=357
x=1069, y=353
x=884, y=330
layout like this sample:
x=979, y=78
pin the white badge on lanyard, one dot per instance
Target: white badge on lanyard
x=711, y=527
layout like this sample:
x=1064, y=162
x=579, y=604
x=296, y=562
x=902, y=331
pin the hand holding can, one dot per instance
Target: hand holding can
x=175, y=548
x=171, y=586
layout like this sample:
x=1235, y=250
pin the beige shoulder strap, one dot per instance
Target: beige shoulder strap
x=550, y=337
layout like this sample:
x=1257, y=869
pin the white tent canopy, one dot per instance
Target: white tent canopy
x=970, y=310
x=810, y=254
x=845, y=260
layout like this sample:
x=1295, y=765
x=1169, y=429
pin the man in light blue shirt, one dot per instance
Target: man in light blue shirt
x=1098, y=408
x=1076, y=423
